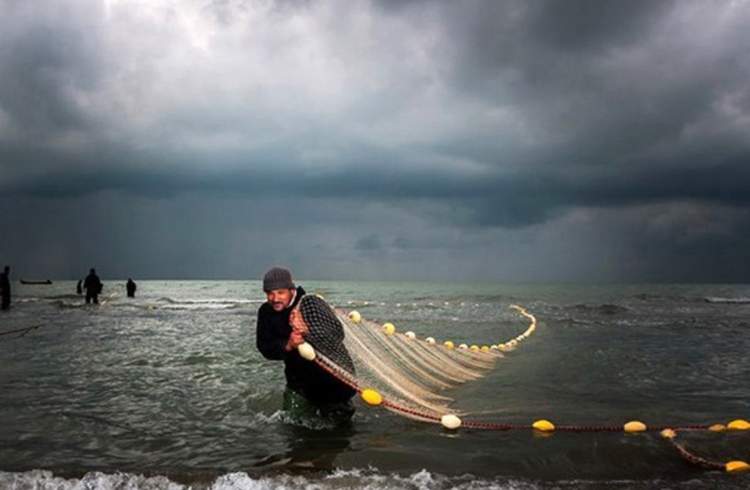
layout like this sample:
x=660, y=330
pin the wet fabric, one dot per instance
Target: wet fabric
x=300, y=409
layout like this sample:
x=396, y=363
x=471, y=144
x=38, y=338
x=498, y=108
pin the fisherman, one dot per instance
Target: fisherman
x=93, y=287
x=310, y=390
x=79, y=287
x=131, y=287
x=5, y=288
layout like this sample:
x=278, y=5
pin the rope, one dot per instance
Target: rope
x=694, y=459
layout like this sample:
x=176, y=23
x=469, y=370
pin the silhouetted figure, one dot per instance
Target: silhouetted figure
x=93, y=287
x=131, y=287
x=5, y=288
x=79, y=287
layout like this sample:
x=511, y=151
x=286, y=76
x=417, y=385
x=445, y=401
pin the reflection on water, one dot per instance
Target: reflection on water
x=309, y=449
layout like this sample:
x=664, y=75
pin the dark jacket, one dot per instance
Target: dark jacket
x=92, y=285
x=4, y=285
x=302, y=376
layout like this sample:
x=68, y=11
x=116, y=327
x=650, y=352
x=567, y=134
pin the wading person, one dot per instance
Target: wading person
x=130, y=287
x=93, y=287
x=310, y=390
x=5, y=288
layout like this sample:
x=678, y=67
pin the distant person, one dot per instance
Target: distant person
x=93, y=287
x=5, y=288
x=310, y=390
x=79, y=287
x=131, y=287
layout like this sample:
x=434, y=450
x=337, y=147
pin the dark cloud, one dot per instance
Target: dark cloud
x=513, y=200
x=412, y=132
x=194, y=236
x=591, y=25
x=369, y=243
x=46, y=64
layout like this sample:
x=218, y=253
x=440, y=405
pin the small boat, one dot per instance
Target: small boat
x=45, y=282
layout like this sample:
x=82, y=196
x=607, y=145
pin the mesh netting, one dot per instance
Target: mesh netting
x=326, y=332
x=412, y=375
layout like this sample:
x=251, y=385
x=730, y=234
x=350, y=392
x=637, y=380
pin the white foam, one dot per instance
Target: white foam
x=204, y=303
x=194, y=306
x=43, y=479
x=370, y=479
x=242, y=481
x=716, y=299
x=220, y=300
x=264, y=419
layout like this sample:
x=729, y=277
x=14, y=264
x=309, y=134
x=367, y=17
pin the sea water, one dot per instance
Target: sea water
x=167, y=390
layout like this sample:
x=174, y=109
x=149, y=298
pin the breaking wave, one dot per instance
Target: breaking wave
x=164, y=303
x=740, y=300
x=370, y=479
x=605, y=309
x=205, y=303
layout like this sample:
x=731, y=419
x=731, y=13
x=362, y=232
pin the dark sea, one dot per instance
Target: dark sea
x=167, y=390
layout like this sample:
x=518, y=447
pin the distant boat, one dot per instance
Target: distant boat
x=46, y=282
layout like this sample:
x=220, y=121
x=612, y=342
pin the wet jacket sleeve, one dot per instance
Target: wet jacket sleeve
x=268, y=342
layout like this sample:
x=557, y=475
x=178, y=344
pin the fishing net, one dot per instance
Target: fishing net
x=406, y=374
x=412, y=376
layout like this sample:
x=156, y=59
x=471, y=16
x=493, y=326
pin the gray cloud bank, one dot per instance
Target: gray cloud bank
x=519, y=140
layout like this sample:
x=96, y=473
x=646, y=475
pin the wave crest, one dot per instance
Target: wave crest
x=716, y=299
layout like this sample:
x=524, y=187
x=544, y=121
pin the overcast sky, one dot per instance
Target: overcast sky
x=403, y=140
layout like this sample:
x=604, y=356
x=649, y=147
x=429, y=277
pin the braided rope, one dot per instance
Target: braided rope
x=694, y=458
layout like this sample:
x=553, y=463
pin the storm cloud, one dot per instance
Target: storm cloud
x=516, y=140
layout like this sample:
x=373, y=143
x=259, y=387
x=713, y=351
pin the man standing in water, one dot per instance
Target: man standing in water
x=93, y=287
x=310, y=390
x=5, y=288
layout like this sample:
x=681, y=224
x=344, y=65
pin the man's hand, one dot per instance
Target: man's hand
x=295, y=339
x=299, y=330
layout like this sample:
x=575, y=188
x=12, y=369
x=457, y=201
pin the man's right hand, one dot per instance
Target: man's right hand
x=295, y=339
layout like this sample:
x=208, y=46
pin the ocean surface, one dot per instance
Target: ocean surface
x=167, y=390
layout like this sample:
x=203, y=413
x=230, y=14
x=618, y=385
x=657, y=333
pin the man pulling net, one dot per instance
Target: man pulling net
x=310, y=391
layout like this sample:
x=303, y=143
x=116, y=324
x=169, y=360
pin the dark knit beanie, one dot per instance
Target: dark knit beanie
x=277, y=278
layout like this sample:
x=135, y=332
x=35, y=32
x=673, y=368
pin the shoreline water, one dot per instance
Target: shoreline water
x=351, y=478
x=168, y=384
